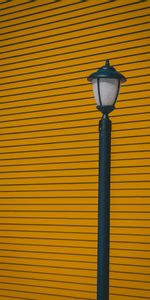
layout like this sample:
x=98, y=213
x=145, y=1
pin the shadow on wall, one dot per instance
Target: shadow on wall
x=80, y=0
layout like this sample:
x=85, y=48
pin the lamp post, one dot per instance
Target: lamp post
x=106, y=85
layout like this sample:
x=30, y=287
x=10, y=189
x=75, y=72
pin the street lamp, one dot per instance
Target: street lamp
x=106, y=85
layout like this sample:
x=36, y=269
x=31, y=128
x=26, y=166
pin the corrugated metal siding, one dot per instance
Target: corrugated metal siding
x=49, y=148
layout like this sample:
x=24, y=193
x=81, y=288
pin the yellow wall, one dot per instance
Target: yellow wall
x=49, y=148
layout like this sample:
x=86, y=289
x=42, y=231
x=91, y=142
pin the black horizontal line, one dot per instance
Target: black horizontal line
x=53, y=183
x=117, y=189
x=50, y=89
x=67, y=141
x=16, y=297
x=48, y=259
x=33, y=59
x=134, y=99
x=47, y=294
x=61, y=60
x=66, y=162
x=129, y=107
x=47, y=10
x=57, y=267
x=61, y=211
x=85, y=127
x=43, y=97
x=55, y=170
x=68, y=169
x=130, y=288
x=68, y=73
x=127, y=272
x=76, y=254
x=35, y=13
x=55, y=204
x=129, y=280
x=74, y=162
x=74, y=211
x=11, y=6
x=46, y=252
x=42, y=77
x=48, y=273
x=130, y=122
x=73, y=189
x=131, y=227
x=128, y=151
x=71, y=52
x=132, y=242
x=52, y=156
x=43, y=110
x=49, y=102
x=41, y=286
x=71, y=120
x=141, y=250
x=129, y=235
x=32, y=7
x=71, y=297
x=79, y=147
x=129, y=129
x=66, y=176
x=128, y=219
x=51, y=176
x=49, y=239
x=90, y=105
x=129, y=196
x=72, y=155
x=74, y=183
x=130, y=257
x=72, y=204
x=49, y=280
x=59, y=95
x=117, y=264
x=131, y=144
x=49, y=231
x=45, y=130
x=137, y=166
x=133, y=92
x=68, y=18
x=27, y=244
x=123, y=181
x=49, y=225
x=124, y=204
x=140, y=297
x=48, y=116
x=68, y=86
x=60, y=40
x=65, y=47
x=57, y=14
x=73, y=65
x=69, y=232
x=64, y=107
x=50, y=218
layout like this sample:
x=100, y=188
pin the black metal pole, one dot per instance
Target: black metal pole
x=104, y=208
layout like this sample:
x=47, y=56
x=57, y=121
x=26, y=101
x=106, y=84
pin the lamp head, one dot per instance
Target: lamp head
x=106, y=85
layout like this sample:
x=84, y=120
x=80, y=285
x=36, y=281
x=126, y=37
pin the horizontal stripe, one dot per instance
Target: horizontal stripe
x=49, y=149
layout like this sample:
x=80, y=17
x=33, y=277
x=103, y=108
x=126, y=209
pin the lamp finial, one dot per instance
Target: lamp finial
x=107, y=62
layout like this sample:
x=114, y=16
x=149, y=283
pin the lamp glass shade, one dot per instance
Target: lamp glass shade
x=106, y=90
